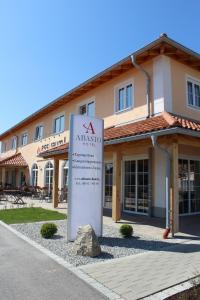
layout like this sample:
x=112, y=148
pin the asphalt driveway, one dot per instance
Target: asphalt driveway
x=28, y=274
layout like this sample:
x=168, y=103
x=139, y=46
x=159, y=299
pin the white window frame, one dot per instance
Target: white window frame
x=104, y=182
x=40, y=137
x=87, y=102
x=48, y=169
x=34, y=170
x=14, y=142
x=116, y=96
x=22, y=135
x=3, y=147
x=124, y=159
x=62, y=114
x=189, y=158
x=194, y=81
x=65, y=166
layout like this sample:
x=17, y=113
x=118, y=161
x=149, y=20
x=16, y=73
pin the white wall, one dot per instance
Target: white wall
x=159, y=183
x=162, y=84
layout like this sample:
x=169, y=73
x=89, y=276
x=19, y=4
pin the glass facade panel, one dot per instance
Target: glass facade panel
x=189, y=186
x=136, y=186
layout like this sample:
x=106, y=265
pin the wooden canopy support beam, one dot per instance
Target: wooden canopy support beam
x=116, y=189
x=55, y=183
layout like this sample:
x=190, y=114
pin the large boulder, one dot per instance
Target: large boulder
x=86, y=243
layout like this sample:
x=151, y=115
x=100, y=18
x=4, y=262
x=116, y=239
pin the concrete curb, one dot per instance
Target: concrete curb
x=78, y=272
x=170, y=291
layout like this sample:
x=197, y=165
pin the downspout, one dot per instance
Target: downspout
x=148, y=80
x=167, y=184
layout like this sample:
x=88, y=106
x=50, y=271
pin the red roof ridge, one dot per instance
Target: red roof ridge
x=169, y=118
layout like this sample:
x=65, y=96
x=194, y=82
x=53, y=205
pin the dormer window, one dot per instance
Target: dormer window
x=87, y=109
x=193, y=93
x=124, y=97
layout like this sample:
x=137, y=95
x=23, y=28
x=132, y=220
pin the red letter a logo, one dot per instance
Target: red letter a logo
x=89, y=128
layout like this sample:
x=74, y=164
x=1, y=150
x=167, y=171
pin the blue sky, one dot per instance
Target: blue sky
x=49, y=46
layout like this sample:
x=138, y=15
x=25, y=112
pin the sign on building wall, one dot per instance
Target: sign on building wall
x=85, y=174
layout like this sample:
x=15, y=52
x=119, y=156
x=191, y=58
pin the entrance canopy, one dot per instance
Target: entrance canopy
x=16, y=160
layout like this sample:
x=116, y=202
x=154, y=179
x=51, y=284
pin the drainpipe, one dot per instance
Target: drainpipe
x=167, y=183
x=148, y=79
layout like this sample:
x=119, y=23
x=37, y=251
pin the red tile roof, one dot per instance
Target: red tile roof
x=161, y=122
x=15, y=160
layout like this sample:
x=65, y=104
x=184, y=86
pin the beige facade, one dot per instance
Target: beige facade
x=168, y=92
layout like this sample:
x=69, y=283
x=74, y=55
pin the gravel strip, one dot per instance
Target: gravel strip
x=112, y=244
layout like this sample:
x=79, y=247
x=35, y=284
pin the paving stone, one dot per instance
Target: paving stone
x=149, y=273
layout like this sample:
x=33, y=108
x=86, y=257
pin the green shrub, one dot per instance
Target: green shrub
x=48, y=230
x=126, y=230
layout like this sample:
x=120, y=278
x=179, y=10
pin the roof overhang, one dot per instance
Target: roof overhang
x=161, y=46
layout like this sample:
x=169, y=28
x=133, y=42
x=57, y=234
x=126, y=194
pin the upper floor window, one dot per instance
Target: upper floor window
x=3, y=147
x=39, y=130
x=14, y=143
x=24, y=140
x=59, y=124
x=193, y=93
x=87, y=109
x=124, y=97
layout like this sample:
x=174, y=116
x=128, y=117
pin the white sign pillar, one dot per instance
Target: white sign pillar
x=85, y=197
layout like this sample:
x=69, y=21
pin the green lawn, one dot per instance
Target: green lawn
x=29, y=215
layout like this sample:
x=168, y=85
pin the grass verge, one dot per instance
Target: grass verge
x=29, y=215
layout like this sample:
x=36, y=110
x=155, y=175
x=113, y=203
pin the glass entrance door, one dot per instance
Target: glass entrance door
x=189, y=186
x=135, y=192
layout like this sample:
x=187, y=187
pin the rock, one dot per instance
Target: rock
x=86, y=243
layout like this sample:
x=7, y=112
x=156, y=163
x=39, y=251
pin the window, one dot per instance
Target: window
x=3, y=147
x=124, y=97
x=39, y=132
x=136, y=193
x=34, y=175
x=24, y=139
x=193, y=93
x=108, y=185
x=65, y=174
x=59, y=124
x=14, y=143
x=87, y=109
x=189, y=186
x=49, y=177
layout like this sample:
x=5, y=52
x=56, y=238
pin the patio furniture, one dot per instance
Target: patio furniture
x=63, y=195
x=17, y=196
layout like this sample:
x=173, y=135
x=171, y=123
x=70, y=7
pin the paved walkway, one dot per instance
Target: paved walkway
x=139, y=276
x=28, y=274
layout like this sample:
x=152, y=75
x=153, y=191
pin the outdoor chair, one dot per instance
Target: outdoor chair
x=63, y=195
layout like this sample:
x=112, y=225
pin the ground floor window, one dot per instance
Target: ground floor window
x=108, y=185
x=34, y=175
x=135, y=191
x=49, y=176
x=65, y=174
x=189, y=186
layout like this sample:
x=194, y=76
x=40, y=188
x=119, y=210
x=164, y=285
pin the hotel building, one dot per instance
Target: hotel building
x=150, y=103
